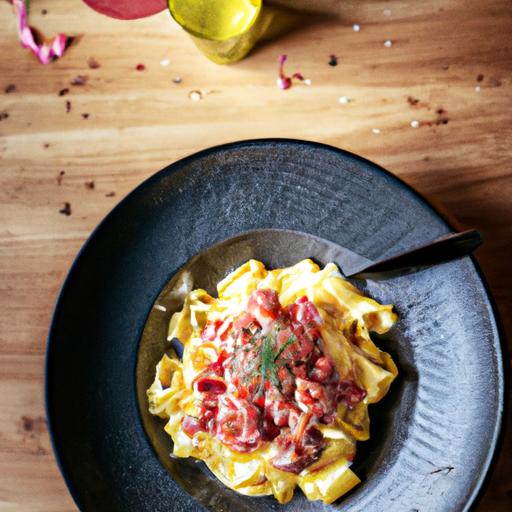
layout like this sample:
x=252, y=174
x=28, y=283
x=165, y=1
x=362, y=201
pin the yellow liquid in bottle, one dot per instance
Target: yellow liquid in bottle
x=215, y=19
x=224, y=30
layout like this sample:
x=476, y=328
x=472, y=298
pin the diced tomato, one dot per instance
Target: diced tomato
x=322, y=370
x=304, y=312
x=208, y=385
x=237, y=424
x=286, y=381
x=191, y=425
x=311, y=397
x=244, y=321
x=264, y=306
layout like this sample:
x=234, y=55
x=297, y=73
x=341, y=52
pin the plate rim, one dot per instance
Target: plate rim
x=498, y=436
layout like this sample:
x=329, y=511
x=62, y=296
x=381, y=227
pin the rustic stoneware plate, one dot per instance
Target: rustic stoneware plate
x=432, y=438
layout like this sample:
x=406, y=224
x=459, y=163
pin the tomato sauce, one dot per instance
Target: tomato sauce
x=271, y=381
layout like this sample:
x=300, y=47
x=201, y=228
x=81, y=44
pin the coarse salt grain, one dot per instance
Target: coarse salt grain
x=195, y=95
x=344, y=100
x=415, y=123
x=165, y=62
x=356, y=27
x=307, y=81
x=388, y=43
x=376, y=131
x=387, y=12
x=478, y=88
x=160, y=308
x=177, y=80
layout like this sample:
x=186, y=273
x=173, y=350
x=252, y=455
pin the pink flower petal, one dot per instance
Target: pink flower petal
x=285, y=82
x=45, y=52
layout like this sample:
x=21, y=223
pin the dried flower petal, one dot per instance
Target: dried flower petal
x=285, y=82
x=140, y=67
x=46, y=52
x=79, y=80
x=93, y=63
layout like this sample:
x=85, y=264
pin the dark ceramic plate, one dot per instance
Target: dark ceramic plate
x=432, y=437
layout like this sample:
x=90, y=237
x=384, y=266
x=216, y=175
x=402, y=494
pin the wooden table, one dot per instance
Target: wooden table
x=448, y=71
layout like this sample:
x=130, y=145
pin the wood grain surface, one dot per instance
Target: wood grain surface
x=449, y=69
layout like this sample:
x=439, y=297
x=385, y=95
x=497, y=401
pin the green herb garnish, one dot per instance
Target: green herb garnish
x=268, y=366
x=289, y=341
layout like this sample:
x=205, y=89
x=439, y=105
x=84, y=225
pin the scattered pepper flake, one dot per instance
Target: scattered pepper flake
x=9, y=88
x=356, y=27
x=495, y=82
x=66, y=209
x=177, y=80
x=140, y=67
x=90, y=185
x=60, y=177
x=79, y=80
x=412, y=101
x=388, y=43
x=47, y=51
x=333, y=60
x=4, y=115
x=85, y=115
x=195, y=95
x=68, y=106
x=64, y=91
x=415, y=123
x=110, y=194
x=46, y=145
x=440, y=111
x=480, y=78
x=44, y=12
x=93, y=63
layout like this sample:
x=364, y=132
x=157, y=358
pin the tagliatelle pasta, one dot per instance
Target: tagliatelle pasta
x=276, y=378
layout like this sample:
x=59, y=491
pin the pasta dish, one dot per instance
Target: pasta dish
x=276, y=377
